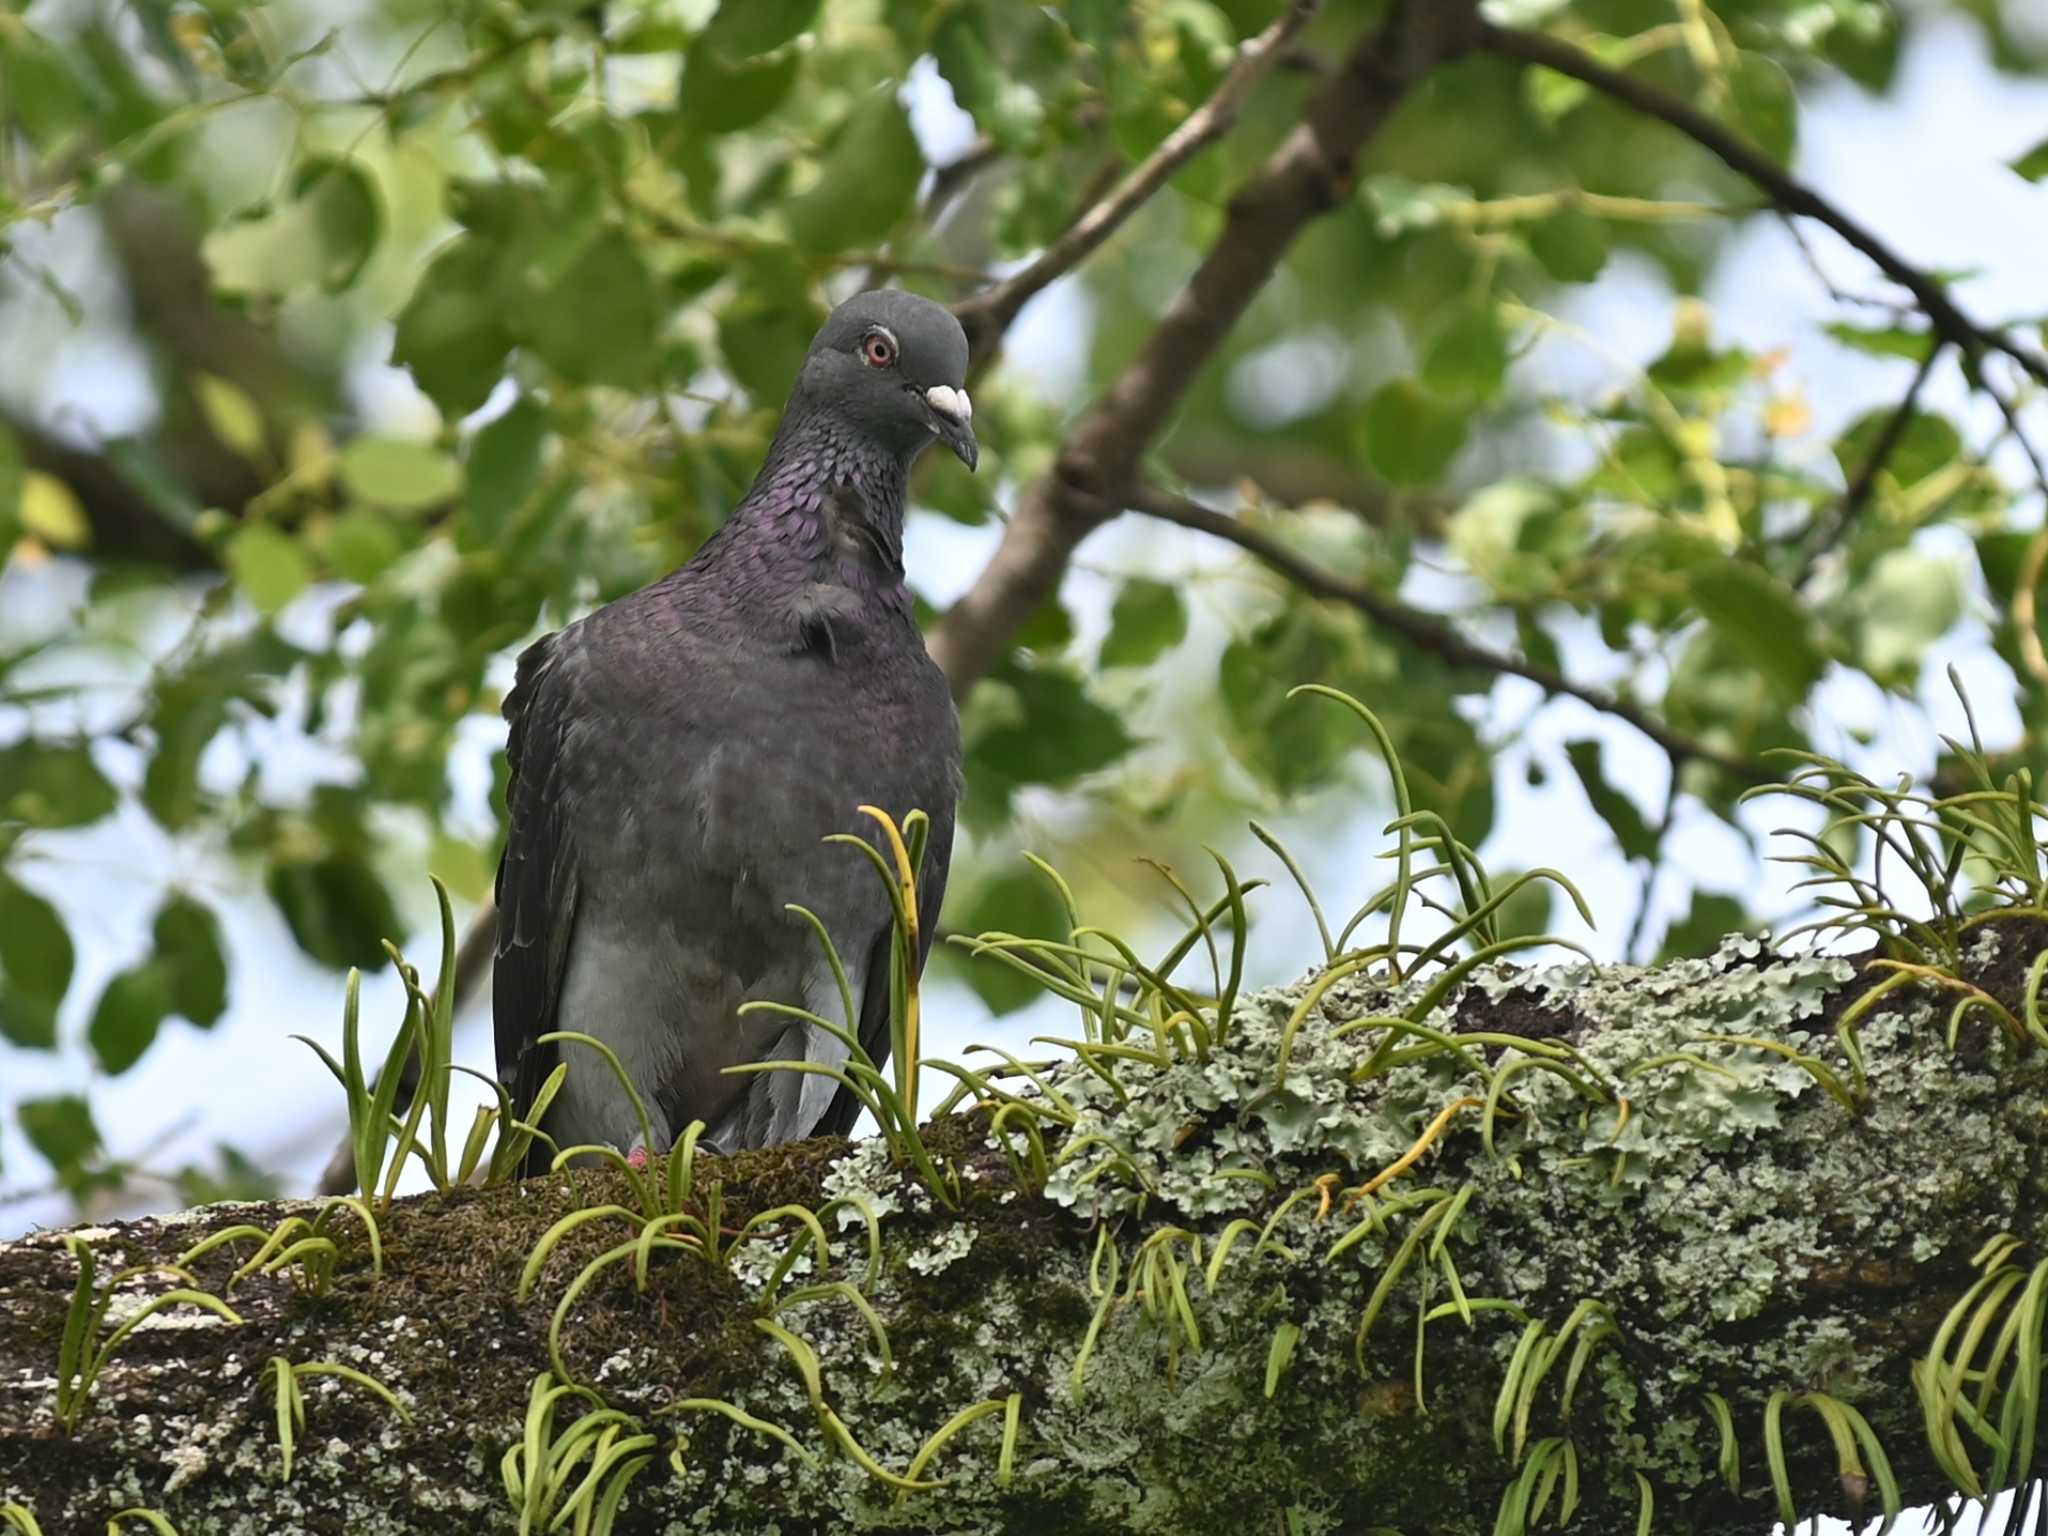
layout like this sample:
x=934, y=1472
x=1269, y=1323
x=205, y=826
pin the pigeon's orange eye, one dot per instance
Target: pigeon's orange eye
x=878, y=350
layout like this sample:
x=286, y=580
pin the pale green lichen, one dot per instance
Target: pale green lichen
x=1730, y=1224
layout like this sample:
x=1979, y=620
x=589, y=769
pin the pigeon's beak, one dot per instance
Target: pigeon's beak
x=953, y=416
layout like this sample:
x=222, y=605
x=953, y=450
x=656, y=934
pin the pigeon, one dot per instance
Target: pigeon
x=680, y=755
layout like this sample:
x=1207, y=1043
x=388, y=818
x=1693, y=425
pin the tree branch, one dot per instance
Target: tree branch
x=991, y=311
x=1172, y=1334
x=1428, y=632
x=1302, y=179
x=1784, y=189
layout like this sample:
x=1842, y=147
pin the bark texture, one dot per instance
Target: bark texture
x=1741, y=1229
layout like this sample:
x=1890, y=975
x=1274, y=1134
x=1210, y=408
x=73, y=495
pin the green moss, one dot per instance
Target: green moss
x=1747, y=1232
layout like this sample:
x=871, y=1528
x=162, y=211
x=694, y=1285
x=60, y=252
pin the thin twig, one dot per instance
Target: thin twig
x=1786, y=190
x=1857, y=497
x=994, y=308
x=1428, y=632
x=1305, y=176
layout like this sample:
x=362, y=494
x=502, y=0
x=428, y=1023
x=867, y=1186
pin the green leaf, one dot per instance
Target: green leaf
x=1058, y=734
x=52, y=786
x=743, y=28
x=723, y=97
x=1709, y=920
x=1019, y=902
x=129, y=1014
x=454, y=333
x=10, y=490
x=362, y=544
x=187, y=940
x=1905, y=602
x=504, y=471
x=602, y=321
x=51, y=510
x=1766, y=104
x=1638, y=840
x=35, y=966
x=1761, y=620
x=2034, y=163
x=1929, y=443
x=1571, y=247
x=763, y=341
x=267, y=565
x=1291, y=744
x=867, y=179
x=337, y=908
x=1412, y=434
x=1147, y=620
x=186, y=720
x=1469, y=358
x=60, y=1128
x=44, y=94
x=1882, y=340
x=1006, y=109
x=230, y=414
x=398, y=473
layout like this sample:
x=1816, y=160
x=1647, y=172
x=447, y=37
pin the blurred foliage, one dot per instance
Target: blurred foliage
x=596, y=236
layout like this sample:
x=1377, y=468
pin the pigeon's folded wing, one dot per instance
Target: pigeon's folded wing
x=537, y=885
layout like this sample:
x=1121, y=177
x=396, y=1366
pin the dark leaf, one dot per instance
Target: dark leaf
x=1710, y=919
x=337, y=908
x=186, y=720
x=601, y=324
x=867, y=179
x=1411, y=433
x=743, y=28
x=1060, y=735
x=188, y=943
x=35, y=948
x=504, y=471
x=723, y=97
x=454, y=334
x=1637, y=838
x=1147, y=620
x=52, y=786
x=128, y=1015
x=2034, y=163
x=1761, y=621
x=1469, y=358
x=1019, y=902
x=62, y=1130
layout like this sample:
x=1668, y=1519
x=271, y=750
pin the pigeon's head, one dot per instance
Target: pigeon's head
x=894, y=366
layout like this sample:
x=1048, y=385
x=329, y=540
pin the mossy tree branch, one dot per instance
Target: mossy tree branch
x=1177, y=1310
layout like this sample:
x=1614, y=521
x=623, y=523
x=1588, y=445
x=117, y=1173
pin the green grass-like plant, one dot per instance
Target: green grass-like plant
x=294, y=1240
x=576, y=1477
x=380, y=1141
x=156, y=1521
x=291, y=1400
x=82, y=1354
x=890, y=1097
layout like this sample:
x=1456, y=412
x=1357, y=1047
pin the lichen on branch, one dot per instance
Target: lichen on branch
x=1638, y=1224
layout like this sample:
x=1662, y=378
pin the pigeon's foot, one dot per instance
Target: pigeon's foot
x=637, y=1158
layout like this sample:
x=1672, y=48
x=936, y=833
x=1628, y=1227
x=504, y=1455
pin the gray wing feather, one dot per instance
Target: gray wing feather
x=537, y=882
